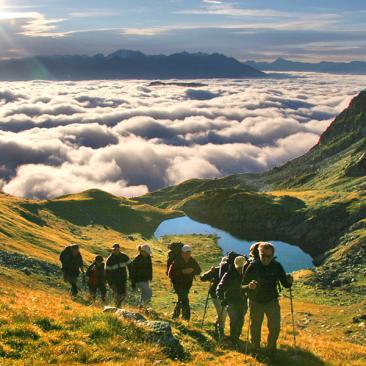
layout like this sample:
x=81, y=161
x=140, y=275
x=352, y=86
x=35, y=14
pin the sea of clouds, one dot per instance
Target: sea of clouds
x=128, y=137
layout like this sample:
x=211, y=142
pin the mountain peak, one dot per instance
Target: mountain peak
x=358, y=103
x=127, y=54
x=349, y=126
x=281, y=60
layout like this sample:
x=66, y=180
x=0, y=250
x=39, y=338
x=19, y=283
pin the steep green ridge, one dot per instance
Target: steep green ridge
x=336, y=162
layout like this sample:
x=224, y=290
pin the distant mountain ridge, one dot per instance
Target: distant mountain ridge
x=126, y=64
x=281, y=64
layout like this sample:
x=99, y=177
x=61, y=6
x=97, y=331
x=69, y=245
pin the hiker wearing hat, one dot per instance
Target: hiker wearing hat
x=261, y=279
x=116, y=273
x=142, y=274
x=96, y=278
x=231, y=294
x=72, y=265
x=181, y=272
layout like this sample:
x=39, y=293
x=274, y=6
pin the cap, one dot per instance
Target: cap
x=116, y=246
x=145, y=248
x=239, y=262
x=186, y=248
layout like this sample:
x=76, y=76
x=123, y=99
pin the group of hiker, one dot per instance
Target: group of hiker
x=113, y=272
x=240, y=282
x=237, y=284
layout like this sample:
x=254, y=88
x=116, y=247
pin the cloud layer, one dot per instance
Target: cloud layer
x=128, y=138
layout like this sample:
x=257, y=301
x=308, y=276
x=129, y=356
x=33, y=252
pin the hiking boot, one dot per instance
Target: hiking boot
x=255, y=351
x=176, y=312
x=234, y=342
x=271, y=354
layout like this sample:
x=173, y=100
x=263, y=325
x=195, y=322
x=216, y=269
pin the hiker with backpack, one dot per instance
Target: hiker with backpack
x=175, y=250
x=72, y=264
x=181, y=271
x=261, y=279
x=231, y=294
x=96, y=278
x=213, y=275
x=142, y=274
x=116, y=273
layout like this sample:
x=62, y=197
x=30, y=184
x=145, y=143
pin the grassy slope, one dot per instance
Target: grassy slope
x=40, y=325
x=94, y=219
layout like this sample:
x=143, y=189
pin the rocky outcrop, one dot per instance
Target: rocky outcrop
x=357, y=168
x=157, y=332
x=28, y=265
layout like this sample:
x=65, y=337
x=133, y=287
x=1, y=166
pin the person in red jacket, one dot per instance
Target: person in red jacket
x=181, y=272
x=96, y=278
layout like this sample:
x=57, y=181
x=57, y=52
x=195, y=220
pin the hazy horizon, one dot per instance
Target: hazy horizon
x=269, y=60
x=330, y=30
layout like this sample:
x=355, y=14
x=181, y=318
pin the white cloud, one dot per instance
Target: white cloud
x=127, y=137
x=41, y=181
x=33, y=23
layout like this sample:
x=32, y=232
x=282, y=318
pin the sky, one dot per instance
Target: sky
x=248, y=29
x=129, y=137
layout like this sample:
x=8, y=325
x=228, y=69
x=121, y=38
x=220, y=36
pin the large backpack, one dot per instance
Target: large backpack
x=227, y=264
x=69, y=261
x=175, y=250
x=65, y=257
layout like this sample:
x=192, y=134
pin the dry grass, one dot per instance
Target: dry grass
x=40, y=325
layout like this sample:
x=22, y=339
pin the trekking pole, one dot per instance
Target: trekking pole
x=248, y=330
x=293, y=319
x=206, y=305
x=220, y=332
x=84, y=281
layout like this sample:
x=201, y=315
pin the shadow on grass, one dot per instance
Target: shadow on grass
x=292, y=357
x=207, y=344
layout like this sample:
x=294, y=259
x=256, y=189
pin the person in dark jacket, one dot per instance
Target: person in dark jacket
x=181, y=273
x=142, y=274
x=229, y=291
x=213, y=275
x=261, y=279
x=96, y=278
x=116, y=273
x=72, y=265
